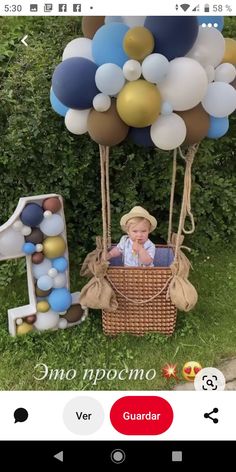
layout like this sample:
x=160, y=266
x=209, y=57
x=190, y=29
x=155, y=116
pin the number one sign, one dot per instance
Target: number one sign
x=37, y=231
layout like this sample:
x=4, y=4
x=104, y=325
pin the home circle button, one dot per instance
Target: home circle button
x=141, y=415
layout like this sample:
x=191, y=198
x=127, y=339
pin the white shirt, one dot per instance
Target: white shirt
x=132, y=259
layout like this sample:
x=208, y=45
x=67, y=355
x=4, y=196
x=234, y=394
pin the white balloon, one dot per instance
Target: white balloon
x=47, y=214
x=45, y=282
x=26, y=230
x=39, y=247
x=101, y=102
x=48, y=320
x=59, y=281
x=225, y=73
x=52, y=273
x=220, y=99
x=168, y=132
x=210, y=72
x=52, y=226
x=76, y=121
x=79, y=47
x=109, y=79
x=185, y=85
x=63, y=323
x=133, y=21
x=155, y=68
x=41, y=269
x=132, y=70
x=209, y=47
x=11, y=242
x=19, y=321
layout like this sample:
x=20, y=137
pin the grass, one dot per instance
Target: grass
x=207, y=334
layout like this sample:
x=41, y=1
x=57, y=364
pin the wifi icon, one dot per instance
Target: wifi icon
x=185, y=6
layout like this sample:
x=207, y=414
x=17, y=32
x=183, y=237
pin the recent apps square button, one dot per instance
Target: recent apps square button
x=141, y=415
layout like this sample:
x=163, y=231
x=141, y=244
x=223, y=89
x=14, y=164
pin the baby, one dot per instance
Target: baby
x=137, y=250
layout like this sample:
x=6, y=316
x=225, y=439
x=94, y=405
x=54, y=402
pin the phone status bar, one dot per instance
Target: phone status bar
x=105, y=7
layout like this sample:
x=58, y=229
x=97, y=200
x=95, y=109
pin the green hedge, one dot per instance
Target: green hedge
x=38, y=155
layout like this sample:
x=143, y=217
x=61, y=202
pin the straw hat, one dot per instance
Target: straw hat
x=138, y=212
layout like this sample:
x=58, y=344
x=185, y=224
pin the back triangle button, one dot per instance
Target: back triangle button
x=59, y=456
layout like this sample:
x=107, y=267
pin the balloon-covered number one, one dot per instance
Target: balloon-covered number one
x=37, y=231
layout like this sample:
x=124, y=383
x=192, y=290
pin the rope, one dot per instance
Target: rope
x=186, y=200
x=106, y=156
x=172, y=194
x=137, y=302
x=103, y=192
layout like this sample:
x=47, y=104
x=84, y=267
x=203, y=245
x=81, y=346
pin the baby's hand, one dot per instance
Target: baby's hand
x=136, y=246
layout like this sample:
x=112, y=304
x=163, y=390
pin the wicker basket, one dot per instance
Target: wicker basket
x=141, y=284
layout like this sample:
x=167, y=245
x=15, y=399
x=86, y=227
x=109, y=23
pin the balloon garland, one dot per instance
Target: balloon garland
x=163, y=82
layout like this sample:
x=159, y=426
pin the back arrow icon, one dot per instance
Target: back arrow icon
x=23, y=40
x=59, y=456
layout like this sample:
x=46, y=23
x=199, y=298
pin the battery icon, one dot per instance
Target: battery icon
x=206, y=8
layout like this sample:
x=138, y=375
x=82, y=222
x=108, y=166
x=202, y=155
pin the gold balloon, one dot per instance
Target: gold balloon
x=139, y=103
x=54, y=247
x=230, y=51
x=138, y=43
x=43, y=306
x=24, y=328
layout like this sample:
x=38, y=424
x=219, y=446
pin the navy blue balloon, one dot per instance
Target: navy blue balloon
x=73, y=82
x=141, y=136
x=32, y=215
x=174, y=35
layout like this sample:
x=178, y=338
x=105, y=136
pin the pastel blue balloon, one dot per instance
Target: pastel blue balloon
x=41, y=269
x=29, y=248
x=57, y=106
x=218, y=127
x=166, y=108
x=45, y=282
x=107, y=45
x=109, y=79
x=60, y=263
x=60, y=299
x=213, y=20
x=113, y=19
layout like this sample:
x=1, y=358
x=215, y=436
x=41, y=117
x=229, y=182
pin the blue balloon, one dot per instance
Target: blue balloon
x=174, y=35
x=73, y=83
x=60, y=299
x=107, y=45
x=213, y=20
x=32, y=215
x=141, y=136
x=60, y=263
x=57, y=106
x=29, y=248
x=218, y=127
